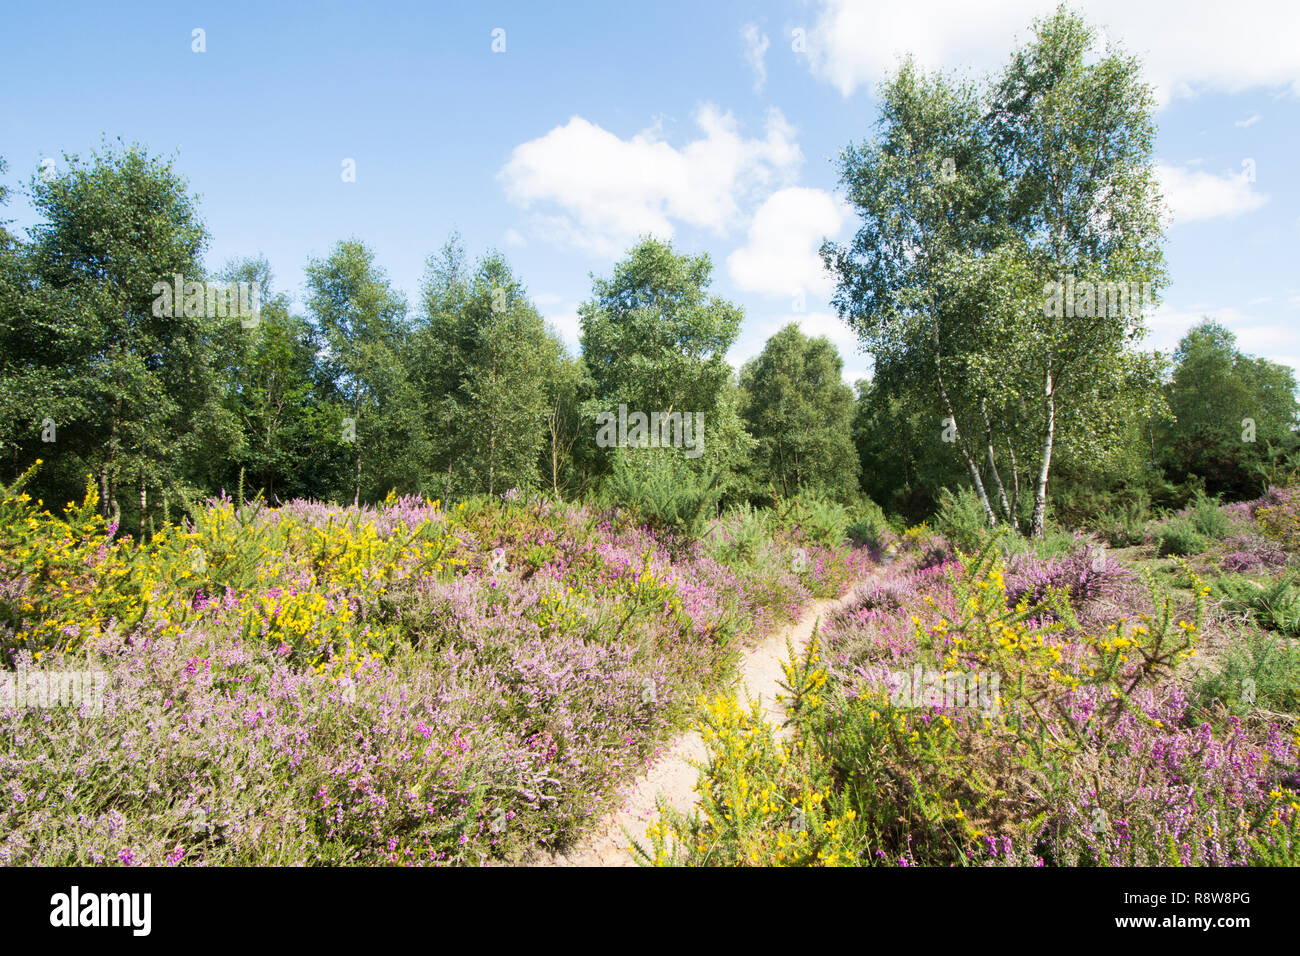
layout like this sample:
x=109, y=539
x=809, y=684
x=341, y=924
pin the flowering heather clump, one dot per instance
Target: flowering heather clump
x=393, y=684
x=1086, y=575
x=1251, y=553
x=876, y=775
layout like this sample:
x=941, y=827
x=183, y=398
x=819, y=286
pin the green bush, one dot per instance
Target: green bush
x=1208, y=518
x=1263, y=673
x=819, y=519
x=1179, y=536
x=1275, y=606
x=1055, y=542
x=871, y=528
x=664, y=489
x=1125, y=525
x=961, y=520
x=740, y=535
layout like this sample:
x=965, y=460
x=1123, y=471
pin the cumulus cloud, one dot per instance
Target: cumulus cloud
x=564, y=319
x=856, y=363
x=780, y=256
x=1273, y=340
x=590, y=188
x=1187, y=46
x=1194, y=194
x=756, y=44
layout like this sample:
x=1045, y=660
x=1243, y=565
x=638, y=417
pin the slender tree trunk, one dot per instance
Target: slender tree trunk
x=553, y=423
x=1015, y=483
x=1049, y=435
x=144, y=503
x=993, y=466
x=989, y=515
x=103, y=489
x=971, y=466
x=356, y=440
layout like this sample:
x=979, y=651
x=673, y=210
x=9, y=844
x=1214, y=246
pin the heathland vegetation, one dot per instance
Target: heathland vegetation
x=370, y=581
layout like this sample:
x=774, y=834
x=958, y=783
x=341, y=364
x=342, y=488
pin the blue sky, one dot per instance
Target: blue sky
x=712, y=124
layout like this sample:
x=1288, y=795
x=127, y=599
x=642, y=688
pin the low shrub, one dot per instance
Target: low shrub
x=1258, y=673
x=818, y=519
x=740, y=534
x=1209, y=518
x=1273, y=605
x=961, y=520
x=1124, y=526
x=870, y=527
x=1178, y=536
x=667, y=491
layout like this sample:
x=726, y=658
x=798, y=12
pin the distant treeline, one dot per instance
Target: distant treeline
x=122, y=359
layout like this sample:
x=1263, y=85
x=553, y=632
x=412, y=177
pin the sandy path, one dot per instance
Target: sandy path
x=672, y=776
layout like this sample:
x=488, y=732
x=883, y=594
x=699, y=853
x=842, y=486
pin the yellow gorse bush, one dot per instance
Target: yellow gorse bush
x=758, y=803
x=949, y=779
x=1280, y=524
x=321, y=591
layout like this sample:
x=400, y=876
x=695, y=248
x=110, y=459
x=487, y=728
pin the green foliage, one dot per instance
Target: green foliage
x=1258, y=672
x=484, y=367
x=654, y=340
x=664, y=489
x=273, y=385
x=902, y=466
x=1274, y=605
x=960, y=519
x=818, y=519
x=1208, y=518
x=741, y=533
x=869, y=527
x=1179, y=536
x=1055, y=542
x=129, y=389
x=800, y=412
x=1125, y=525
x=363, y=324
x=1234, y=417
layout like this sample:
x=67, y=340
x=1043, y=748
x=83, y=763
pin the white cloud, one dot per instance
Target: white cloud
x=1248, y=122
x=599, y=192
x=812, y=324
x=1187, y=46
x=513, y=238
x=756, y=45
x=1272, y=340
x=1196, y=194
x=566, y=322
x=780, y=255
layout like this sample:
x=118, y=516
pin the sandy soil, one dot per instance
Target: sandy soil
x=673, y=776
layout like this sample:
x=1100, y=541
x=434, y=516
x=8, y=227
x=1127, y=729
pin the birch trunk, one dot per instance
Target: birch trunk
x=1049, y=436
x=993, y=466
x=971, y=466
